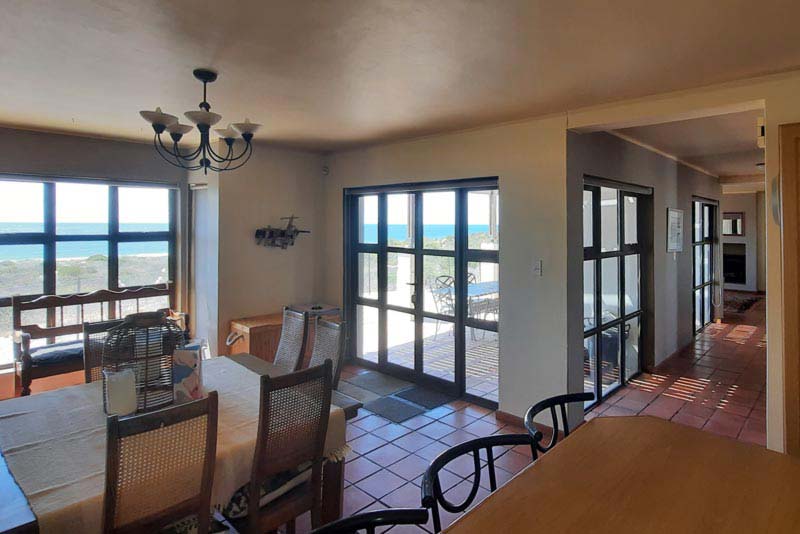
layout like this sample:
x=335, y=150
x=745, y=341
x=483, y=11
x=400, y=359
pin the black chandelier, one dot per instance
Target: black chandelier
x=203, y=157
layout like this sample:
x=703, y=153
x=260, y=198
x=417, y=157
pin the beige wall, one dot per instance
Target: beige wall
x=530, y=160
x=745, y=203
x=253, y=279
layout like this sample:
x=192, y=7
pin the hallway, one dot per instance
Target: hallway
x=718, y=383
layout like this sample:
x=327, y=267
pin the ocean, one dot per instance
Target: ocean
x=399, y=232
x=81, y=249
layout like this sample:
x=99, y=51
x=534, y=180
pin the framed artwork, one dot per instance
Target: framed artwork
x=674, y=230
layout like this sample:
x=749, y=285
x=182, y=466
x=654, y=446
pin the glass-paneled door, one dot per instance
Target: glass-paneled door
x=612, y=288
x=424, y=290
x=703, y=262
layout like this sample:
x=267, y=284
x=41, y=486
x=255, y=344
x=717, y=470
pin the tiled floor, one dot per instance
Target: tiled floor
x=388, y=460
x=717, y=384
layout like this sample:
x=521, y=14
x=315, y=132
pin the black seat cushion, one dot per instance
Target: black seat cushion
x=63, y=352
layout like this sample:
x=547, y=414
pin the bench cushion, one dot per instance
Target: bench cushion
x=63, y=352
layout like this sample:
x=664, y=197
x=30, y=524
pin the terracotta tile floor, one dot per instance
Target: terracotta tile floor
x=388, y=459
x=718, y=383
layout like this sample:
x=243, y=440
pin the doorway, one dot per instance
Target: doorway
x=422, y=283
x=704, y=237
x=614, y=253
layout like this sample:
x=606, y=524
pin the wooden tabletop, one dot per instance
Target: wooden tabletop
x=642, y=474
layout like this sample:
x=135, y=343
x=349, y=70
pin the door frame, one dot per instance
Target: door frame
x=462, y=256
x=644, y=249
x=713, y=241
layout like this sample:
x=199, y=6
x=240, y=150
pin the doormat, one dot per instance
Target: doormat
x=395, y=410
x=378, y=383
x=425, y=397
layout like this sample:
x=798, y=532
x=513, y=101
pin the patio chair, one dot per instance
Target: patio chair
x=149, y=487
x=551, y=403
x=432, y=494
x=369, y=521
x=292, y=344
x=442, y=291
x=328, y=345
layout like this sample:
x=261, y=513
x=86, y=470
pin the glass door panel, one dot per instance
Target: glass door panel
x=612, y=288
x=400, y=279
x=368, y=275
x=400, y=331
x=400, y=220
x=483, y=291
x=367, y=328
x=439, y=220
x=703, y=238
x=438, y=279
x=439, y=349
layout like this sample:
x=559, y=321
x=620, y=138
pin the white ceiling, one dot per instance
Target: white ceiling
x=724, y=145
x=331, y=74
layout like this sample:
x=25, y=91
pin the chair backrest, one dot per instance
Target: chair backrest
x=442, y=292
x=292, y=344
x=69, y=312
x=328, y=345
x=160, y=467
x=293, y=421
x=432, y=494
x=560, y=401
x=369, y=521
x=94, y=338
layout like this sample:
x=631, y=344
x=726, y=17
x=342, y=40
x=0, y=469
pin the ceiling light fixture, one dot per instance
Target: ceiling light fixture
x=203, y=157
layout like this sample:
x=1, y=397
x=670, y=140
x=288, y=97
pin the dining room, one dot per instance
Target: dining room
x=346, y=291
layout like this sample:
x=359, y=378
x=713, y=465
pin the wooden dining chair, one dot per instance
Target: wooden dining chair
x=160, y=467
x=94, y=339
x=328, y=345
x=432, y=494
x=369, y=521
x=551, y=403
x=292, y=425
x=292, y=344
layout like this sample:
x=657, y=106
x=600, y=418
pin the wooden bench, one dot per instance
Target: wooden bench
x=56, y=358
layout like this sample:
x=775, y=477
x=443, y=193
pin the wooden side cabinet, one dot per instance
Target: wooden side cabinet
x=258, y=335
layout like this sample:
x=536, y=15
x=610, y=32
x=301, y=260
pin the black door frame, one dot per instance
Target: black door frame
x=642, y=248
x=712, y=240
x=461, y=254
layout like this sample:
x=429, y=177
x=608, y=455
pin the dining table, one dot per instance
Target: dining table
x=52, y=449
x=644, y=474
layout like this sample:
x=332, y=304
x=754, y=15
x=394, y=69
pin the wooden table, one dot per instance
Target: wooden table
x=17, y=517
x=642, y=474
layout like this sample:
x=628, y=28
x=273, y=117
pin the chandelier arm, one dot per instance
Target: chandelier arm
x=159, y=144
x=176, y=153
x=183, y=161
x=249, y=147
x=216, y=157
x=177, y=163
x=248, y=151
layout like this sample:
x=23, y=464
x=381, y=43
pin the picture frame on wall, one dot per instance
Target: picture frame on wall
x=674, y=230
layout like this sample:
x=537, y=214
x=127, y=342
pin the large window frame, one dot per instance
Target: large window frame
x=594, y=253
x=48, y=238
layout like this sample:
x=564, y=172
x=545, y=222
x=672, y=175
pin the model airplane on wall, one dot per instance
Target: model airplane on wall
x=280, y=237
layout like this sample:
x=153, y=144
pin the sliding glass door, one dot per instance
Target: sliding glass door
x=612, y=287
x=703, y=262
x=424, y=290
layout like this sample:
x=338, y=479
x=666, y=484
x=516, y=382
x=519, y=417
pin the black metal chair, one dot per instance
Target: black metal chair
x=551, y=403
x=432, y=494
x=369, y=521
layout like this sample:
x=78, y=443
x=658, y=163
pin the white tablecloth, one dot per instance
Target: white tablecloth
x=55, y=443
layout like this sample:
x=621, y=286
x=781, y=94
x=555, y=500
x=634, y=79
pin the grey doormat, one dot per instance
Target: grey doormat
x=425, y=397
x=361, y=394
x=395, y=410
x=378, y=383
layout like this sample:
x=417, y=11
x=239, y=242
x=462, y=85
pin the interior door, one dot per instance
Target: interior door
x=703, y=262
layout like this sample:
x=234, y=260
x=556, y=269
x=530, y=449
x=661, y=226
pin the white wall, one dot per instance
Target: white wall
x=744, y=203
x=252, y=279
x=670, y=311
x=530, y=160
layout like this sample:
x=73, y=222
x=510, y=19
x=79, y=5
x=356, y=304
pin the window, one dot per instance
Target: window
x=62, y=237
x=704, y=263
